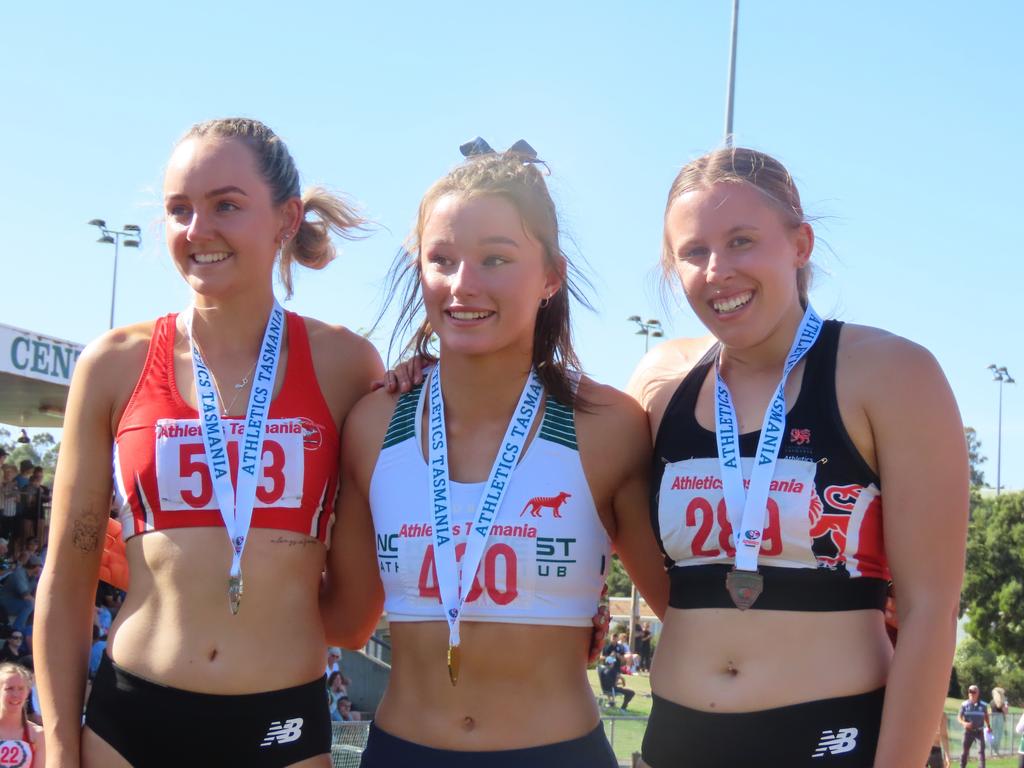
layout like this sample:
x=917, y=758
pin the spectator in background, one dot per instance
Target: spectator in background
x=612, y=683
x=973, y=717
x=1000, y=709
x=9, y=497
x=333, y=660
x=7, y=564
x=13, y=648
x=24, y=474
x=343, y=713
x=17, y=592
x=337, y=686
x=645, y=647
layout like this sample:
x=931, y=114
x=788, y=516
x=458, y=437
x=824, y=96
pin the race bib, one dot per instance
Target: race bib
x=506, y=576
x=696, y=528
x=183, y=476
x=13, y=754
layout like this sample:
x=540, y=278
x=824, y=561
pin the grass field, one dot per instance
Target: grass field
x=626, y=729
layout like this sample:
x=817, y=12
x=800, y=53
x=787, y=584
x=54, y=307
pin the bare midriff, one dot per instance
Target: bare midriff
x=176, y=627
x=519, y=686
x=724, y=660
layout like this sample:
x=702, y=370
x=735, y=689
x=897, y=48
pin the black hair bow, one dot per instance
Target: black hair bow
x=478, y=147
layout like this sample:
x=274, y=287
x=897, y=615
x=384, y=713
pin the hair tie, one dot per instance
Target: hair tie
x=521, y=149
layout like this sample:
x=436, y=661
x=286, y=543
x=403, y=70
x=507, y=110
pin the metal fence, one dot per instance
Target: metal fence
x=347, y=743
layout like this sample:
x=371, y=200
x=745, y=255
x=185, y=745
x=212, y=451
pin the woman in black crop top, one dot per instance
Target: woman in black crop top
x=787, y=644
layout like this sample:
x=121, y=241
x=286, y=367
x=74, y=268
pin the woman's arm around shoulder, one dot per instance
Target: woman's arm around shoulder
x=615, y=448
x=101, y=386
x=353, y=597
x=917, y=441
x=660, y=371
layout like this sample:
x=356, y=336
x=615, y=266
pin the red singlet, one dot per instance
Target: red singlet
x=160, y=461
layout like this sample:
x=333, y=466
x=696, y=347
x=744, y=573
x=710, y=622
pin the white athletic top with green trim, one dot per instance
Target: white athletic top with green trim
x=547, y=555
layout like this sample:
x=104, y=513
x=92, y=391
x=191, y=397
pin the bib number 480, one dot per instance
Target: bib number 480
x=498, y=567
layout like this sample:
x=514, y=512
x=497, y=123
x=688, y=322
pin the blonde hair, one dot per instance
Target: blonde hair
x=998, y=698
x=735, y=165
x=9, y=667
x=311, y=245
x=508, y=176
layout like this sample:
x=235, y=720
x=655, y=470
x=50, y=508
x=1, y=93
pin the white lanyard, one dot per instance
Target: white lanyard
x=236, y=501
x=753, y=500
x=454, y=579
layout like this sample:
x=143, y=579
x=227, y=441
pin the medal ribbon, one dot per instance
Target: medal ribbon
x=454, y=579
x=236, y=501
x=747, y=507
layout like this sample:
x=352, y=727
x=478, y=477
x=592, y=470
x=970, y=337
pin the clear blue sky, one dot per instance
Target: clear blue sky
x=902, y=123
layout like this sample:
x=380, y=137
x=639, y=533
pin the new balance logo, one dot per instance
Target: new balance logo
x=843, y=740
x=291, y=730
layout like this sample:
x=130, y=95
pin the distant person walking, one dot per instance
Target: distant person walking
x=1000, y=711
x=974, y=718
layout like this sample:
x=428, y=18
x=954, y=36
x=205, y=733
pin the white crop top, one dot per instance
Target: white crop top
x=547, y=556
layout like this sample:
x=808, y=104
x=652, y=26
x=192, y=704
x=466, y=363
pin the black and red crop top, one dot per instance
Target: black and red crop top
x=822, y=546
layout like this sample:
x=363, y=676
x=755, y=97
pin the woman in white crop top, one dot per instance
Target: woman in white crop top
x=486, y=266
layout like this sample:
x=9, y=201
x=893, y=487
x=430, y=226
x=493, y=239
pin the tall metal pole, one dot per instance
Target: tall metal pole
x=651, y=328
x=731, y=87
x=999, y=442
x=113, y=284
x=133, y=239
x=1001, y=375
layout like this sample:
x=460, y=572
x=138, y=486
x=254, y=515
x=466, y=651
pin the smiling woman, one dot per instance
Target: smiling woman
x=494, y=493
x=774, y=444
x=207, y=489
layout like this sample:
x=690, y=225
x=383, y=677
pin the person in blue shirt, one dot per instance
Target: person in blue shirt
x=973, y=717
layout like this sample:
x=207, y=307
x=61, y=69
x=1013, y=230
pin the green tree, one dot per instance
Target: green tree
x=974, y=457
x=619, y=584
x=993, y=593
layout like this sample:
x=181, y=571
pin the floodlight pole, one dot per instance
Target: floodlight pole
x=1003, y=376
x=133, y=239
x=731, y=87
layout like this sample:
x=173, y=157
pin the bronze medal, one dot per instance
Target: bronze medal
x=453, y=663
x=744, y=587
x=235, y=588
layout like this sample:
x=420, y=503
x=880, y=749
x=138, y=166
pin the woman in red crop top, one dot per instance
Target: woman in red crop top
x=227, y=411
x=774, y=650
x=494, y=285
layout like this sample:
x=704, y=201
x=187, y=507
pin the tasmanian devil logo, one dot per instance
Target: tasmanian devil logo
x=537, y=503
x=800, y=436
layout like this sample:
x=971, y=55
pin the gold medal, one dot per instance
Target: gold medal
x=744, y=587
x=235, y=589
x=453, y=663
